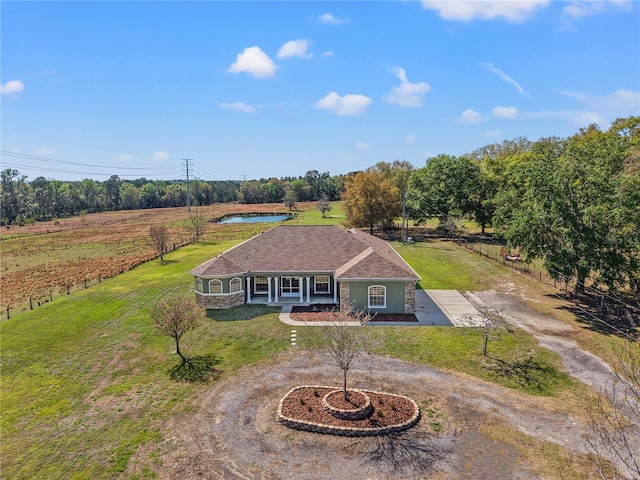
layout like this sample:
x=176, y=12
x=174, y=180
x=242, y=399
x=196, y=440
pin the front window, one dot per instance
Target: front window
x=235, y=285
x=321, y=283
x=377, y=296
x=215, y=286
x=198, y=285
x=260, y=284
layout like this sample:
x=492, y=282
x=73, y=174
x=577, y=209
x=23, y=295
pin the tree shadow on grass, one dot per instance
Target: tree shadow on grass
x=604, y=317
x=528, y=372
x=198, y=369
x=406, y=454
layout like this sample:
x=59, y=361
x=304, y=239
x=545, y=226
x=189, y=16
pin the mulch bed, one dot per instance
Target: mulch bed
x=324, y=313
x=305, y=403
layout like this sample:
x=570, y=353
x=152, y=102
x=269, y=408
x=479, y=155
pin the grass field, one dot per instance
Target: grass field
x=85, y=380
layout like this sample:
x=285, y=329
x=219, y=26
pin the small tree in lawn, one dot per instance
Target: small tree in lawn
x=323, y=204
x=159, y=237
x=174, y=316
x=197, y=224
x=345, y=338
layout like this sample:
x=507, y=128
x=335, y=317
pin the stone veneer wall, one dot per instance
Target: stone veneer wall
x=409, y=297
x=345, y=293
x=220, y=302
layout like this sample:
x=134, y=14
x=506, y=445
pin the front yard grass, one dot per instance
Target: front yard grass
x=85, y=380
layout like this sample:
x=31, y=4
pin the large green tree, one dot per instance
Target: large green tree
x=444, y=187
x=574, y=203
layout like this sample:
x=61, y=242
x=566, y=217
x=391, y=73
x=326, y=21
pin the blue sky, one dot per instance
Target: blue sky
x=262, y=89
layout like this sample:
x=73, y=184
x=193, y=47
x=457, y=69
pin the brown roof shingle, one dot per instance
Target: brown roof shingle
x=311, y=248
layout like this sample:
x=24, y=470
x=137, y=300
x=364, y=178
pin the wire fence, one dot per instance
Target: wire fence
x=68, y=286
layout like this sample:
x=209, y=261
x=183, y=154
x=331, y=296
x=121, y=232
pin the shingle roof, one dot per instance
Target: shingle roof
x=311, y=248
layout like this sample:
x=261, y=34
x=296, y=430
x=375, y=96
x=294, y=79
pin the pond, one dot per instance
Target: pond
x=256, y=218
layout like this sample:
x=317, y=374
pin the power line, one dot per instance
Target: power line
x=75, y=172
x=66, y=162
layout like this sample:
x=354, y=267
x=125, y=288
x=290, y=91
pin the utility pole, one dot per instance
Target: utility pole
x=404, y=205
x=187, y=162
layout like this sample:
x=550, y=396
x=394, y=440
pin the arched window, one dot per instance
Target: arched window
x=235, y=285
x=377, y=296
x=215, y=286
x=198, y=285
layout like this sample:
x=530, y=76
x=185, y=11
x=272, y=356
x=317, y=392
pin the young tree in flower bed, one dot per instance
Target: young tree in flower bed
x=345, y=339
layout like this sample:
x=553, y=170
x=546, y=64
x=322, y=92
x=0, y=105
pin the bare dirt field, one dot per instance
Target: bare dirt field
x=48, y=259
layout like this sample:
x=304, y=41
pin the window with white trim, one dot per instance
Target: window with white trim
x=235, y=285
x=198, y=285
x=215, y=286
x=377, y=296
x=321, y=283
x=260, y=284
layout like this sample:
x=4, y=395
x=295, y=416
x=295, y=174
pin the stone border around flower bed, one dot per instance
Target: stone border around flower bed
x=346, y=431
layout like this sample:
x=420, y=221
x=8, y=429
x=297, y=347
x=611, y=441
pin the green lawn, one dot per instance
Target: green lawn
x=85, y=382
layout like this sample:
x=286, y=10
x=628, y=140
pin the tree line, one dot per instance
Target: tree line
x=25, y=201
x=572, y=202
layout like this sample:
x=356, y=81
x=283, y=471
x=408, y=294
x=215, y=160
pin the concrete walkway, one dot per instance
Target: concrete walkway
x=447, y=308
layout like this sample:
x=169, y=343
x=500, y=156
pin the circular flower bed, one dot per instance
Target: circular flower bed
x=302, y=408
x=356, y=407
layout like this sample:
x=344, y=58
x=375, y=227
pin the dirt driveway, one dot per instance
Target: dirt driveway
x=233, y=434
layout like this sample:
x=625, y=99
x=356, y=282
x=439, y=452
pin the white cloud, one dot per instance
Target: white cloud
x=295, y=48
x=348, y=105
x=507, y=79
x=621, y=98
x=328, y=53
x=160, y=156
x=587, y=119
x=360, y=145
x=331, y=20
x=255, y=62
x=407, y=94
x=505, y=112
x=12, y=86
x=582, y=8
x=411, y=138
x=467, y=10
x=238, y=107
x=43, y=151
x=470, y=116
x=127, y=157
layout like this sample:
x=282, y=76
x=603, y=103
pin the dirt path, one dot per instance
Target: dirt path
x=235, y=435
x=551, y=333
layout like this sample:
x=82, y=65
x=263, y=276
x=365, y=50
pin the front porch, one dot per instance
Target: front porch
x=293, y=301
x=291, y=290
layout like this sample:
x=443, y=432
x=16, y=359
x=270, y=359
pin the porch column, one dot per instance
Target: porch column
x=300, y=279
x=268, y=289
x=277, y=279
x=248, y=289
x=309, y=289
x=335, y=290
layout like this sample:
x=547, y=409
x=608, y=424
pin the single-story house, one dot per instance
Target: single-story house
x=309, y=264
